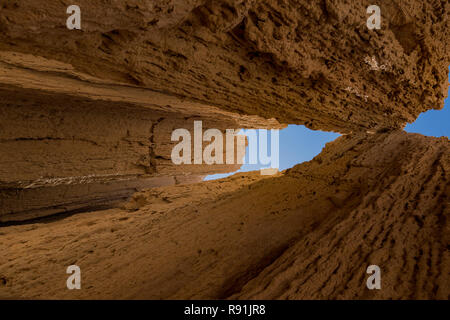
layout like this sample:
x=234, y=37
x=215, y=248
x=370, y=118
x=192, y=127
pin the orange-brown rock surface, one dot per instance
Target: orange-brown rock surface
x=71, y=141
x=303, y=62
x=86, y=118
x=308, y=233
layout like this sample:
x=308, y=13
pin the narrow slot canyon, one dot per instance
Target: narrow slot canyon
x=319, y=169
x=296, y=144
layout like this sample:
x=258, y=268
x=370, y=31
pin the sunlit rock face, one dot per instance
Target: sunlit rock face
x=86, y=118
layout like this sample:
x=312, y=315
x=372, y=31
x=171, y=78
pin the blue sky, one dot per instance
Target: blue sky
x=299, y=144
x=434, y=123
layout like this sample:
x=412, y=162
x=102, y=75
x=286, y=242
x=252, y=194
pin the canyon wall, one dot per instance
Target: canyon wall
x=307, y=233
x=86, y=118
x=302, y=62
x=98, y=105
x=70, y=141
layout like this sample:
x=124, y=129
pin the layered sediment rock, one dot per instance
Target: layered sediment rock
x=137, y=70
x=70, y=141
x=308, y=233
x=86, y=118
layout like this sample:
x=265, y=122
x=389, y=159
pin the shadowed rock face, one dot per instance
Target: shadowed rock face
x=86, y=119
x=367, y=199
x=302, y=62
x=70, y=141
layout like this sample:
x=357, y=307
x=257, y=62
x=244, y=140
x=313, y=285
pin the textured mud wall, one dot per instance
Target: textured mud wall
x=399, y=221
x=107, y=97
x=308, y=233
x=69, y=141
x=86, y=118
x=303, y=62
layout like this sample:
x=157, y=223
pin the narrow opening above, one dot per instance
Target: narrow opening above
x=297, y=144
